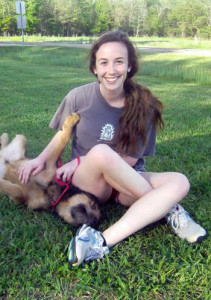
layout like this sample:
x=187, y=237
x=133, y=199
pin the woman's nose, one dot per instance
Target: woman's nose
x=111, y=68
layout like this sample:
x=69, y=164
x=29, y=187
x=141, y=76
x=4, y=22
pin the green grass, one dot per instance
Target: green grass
x=144, y=41
x=193, y=69
x=168, y=66
x=152, y=264
x=166, y=42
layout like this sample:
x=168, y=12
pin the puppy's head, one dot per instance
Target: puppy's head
x=79, y=209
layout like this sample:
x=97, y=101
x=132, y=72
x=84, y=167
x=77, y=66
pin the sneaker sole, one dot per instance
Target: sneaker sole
x=72, y=258
x=199, y=239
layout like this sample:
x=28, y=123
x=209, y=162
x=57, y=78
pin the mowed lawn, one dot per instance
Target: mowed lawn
x=153, y=263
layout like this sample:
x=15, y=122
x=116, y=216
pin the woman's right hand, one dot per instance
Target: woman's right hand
x=31, y=167
x=67, y=170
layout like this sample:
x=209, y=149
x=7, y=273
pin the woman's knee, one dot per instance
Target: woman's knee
x=177, y=182
x=103, y=155
x=181, y=183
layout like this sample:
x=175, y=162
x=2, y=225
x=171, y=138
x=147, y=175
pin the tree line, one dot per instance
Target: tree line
x=165, y=18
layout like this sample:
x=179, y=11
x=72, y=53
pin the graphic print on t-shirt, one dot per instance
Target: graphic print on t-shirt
x=107, y=132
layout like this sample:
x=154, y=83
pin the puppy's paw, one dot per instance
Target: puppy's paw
x=70, y=121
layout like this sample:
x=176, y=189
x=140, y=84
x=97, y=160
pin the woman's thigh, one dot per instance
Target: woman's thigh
x=102, y=168
x=178, y=182
x=88, y=177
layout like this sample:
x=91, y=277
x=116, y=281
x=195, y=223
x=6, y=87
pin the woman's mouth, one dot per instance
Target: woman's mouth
x=111, y=79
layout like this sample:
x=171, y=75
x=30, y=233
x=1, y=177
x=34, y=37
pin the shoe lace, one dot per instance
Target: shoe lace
x=179, y=219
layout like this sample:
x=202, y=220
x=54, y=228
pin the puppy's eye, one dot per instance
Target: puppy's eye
x=94, y=205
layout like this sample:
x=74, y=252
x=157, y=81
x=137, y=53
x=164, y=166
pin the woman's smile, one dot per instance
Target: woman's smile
x=112, y=67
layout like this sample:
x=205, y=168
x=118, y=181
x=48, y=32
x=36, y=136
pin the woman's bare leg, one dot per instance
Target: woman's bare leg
x=103, y=169
x=156, y=193
x=168, y=189
x=150, y=196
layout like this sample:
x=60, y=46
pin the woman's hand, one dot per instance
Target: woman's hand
x=33, y=167
x=67, y=170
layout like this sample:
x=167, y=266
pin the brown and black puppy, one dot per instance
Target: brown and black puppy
x=76, y=207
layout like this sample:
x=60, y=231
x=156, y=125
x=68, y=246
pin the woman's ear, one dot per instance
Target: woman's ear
x=129, y=69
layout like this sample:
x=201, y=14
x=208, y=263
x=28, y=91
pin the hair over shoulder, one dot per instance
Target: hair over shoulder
x=141, y=109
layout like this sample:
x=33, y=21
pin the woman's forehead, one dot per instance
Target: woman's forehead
x=112, y=50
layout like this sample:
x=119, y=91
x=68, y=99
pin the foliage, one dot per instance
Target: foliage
x=190, y=17
x=87, y=17
x=102, y=11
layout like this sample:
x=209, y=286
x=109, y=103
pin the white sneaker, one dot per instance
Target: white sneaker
x=183, y=226
x=88, y=244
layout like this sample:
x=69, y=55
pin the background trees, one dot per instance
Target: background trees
x=87, y=17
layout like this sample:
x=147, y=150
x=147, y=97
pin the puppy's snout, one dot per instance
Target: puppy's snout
x=94, y=221
x=83, y=215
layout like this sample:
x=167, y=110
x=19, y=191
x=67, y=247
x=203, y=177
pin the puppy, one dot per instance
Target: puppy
x=41, y=192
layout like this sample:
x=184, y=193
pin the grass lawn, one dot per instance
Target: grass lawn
x=152, y=264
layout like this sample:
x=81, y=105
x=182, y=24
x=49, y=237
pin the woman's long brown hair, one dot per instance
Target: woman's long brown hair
x=141, y=106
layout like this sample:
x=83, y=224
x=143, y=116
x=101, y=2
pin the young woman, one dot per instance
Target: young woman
x=118, y=122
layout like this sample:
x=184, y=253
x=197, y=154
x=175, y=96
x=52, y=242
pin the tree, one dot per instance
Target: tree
x=63, y=16
x=120, y=14
x=205, y=30
x=190, y=16
x=103, y=16
x=139, y=14
x=33, y=8
x=157, y=19
x=82, y=16
x=8, y=24
x=85, y=17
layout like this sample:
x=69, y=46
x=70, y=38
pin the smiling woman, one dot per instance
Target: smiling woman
x=111, y=69
x=117, y=127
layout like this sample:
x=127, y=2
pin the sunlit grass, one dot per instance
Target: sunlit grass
x=184, y=68
x=178, y=67
x=166, y=42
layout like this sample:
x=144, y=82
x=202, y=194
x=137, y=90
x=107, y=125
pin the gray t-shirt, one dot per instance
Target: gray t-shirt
x=97, y=124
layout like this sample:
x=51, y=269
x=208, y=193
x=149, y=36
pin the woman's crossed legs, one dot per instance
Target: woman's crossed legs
x=150, y=196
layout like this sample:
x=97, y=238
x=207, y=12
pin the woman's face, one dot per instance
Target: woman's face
x=112, y=66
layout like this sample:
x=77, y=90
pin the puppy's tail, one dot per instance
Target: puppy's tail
x=14, y=150
x=4, y=140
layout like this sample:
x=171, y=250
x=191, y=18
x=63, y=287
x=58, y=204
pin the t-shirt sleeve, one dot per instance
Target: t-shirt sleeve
x=149, y=148
x=67, y=106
